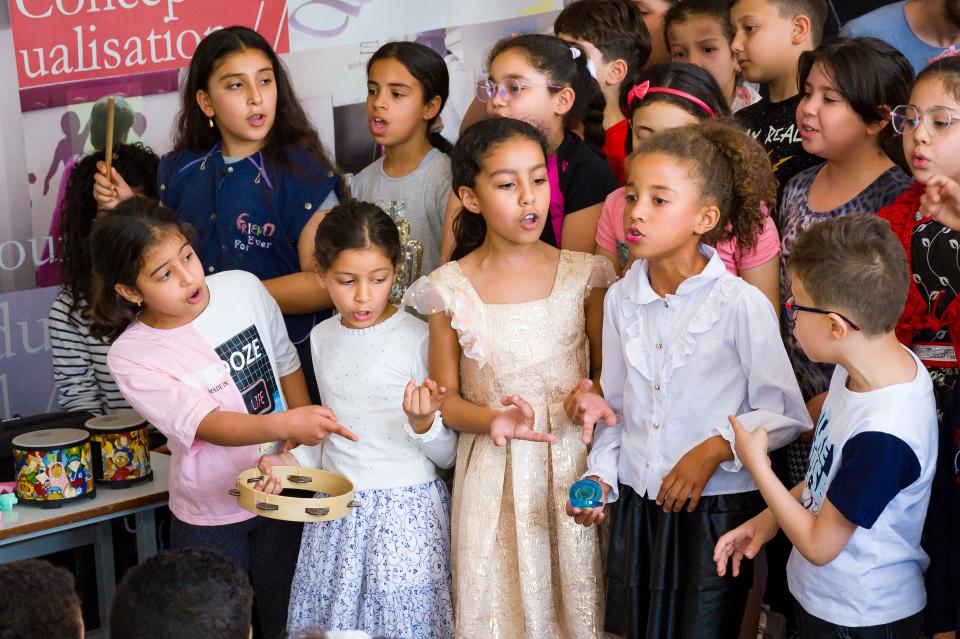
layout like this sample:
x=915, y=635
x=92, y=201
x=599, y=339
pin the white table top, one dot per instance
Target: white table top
x=27, y=521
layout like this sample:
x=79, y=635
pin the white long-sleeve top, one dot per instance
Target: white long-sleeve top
x=675, y=367
x=361, y=375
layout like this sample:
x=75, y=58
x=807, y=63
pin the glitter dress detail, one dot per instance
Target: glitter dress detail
x=521, y=567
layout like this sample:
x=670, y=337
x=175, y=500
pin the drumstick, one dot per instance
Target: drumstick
x=108, y=152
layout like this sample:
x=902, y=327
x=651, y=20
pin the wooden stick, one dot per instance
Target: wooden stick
x=108, y=151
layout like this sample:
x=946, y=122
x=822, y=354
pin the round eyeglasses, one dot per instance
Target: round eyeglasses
x=906, y=118
x=508, y=88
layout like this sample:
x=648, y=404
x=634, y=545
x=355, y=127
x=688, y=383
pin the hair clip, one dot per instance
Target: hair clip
x=638, y=92
x=950, y=52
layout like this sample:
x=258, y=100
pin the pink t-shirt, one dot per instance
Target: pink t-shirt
x=612, y=237
x=230, y=358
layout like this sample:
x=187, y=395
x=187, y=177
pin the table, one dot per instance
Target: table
x=30, y=531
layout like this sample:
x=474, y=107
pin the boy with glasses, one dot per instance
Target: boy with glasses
x=856, y=519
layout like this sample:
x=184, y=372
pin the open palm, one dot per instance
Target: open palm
x=517, y=422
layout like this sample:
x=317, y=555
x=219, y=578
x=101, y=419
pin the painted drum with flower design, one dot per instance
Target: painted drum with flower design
x=53, y=466
x=121, y=451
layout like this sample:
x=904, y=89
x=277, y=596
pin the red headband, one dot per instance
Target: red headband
x=640, y=91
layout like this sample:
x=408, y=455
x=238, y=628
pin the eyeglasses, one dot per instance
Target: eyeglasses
x=508, y=88
x=791, y=309
x=906, y=118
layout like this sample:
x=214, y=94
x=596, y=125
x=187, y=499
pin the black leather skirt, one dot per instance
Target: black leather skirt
x=661, y=579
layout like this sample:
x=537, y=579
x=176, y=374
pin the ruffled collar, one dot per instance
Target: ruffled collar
x=636, y=282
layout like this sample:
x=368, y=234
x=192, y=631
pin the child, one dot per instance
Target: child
x=407, y=86
x=700, y=32
x=924, y=219
x=183, y=593
x=27, y=613
x=669, y=96
x=514, y=326
x=685, y=344
x=79, y=360
x=208, y=362
x=385, y=568
x=849, y=88
x=613, y=35
x=545, y=81
x=248, y=172
x=654, y=13
x=770, y=36
x=856, y=520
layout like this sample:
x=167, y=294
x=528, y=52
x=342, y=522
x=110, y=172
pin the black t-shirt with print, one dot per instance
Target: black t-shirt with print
x=774, y=125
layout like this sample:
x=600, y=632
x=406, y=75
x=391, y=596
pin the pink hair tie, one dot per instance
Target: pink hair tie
x=640, y=91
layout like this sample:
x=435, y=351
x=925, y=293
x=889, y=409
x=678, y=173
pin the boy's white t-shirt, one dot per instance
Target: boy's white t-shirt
x=231, y=358
x=873, y=456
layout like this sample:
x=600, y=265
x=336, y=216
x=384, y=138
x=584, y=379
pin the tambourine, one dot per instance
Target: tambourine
x=306, y=509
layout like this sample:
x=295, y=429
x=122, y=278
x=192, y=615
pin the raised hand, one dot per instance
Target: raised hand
x=420, y=403
x=312, y=424
x=516, y=423
x=941, y=201
x=744, y=541
x=589, y=516
x=585, y=409
x=109, y=191
x=751, y=447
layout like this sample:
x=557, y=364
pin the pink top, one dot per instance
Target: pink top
x=229, y=358
x=612, y=237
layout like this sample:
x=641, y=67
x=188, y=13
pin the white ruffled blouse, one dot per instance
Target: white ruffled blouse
x=675, y=367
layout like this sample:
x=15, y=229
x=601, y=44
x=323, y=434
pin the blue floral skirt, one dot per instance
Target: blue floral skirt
x=383, y=569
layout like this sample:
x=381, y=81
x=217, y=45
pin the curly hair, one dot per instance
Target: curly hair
x=733, y=171
x=191, y=592
x=27, y=613
x=466, y=161
x=138, y=165
x=555, y=59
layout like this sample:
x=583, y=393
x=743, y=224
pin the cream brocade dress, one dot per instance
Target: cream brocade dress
x=521, y=566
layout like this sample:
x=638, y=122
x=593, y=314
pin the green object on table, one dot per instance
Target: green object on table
x=7, y=500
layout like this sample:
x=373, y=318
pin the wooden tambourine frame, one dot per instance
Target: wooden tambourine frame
x=305, y=509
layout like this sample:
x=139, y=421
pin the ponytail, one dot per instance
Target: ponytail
x=566, y=65
x=733, y=170
x=427, y=68
x=466, y=160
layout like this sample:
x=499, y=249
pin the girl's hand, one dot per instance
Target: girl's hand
x=267, y=462
x=420, y=403
x=751, y=447
x=941, y=201
x=744, y=541
x=589, y=516
x=516, y=423
x=107, y=193
x=585, y=409
x=312, y=424
x=691, y=474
